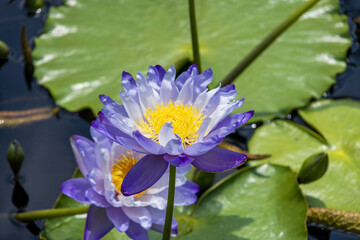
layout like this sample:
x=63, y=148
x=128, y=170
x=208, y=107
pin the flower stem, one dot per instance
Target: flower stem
x=266, y=42
x=49, y=213
x=194, y=35
x=338, y=219
x=170, y=204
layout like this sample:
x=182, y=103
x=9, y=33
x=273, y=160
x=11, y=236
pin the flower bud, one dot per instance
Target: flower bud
x=204, y=179
x=4, y=50
x=15, y=156
x=34, y=5
x=313, y=168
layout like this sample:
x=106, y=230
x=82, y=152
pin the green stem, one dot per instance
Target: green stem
x=49, y=213
x=194, y=35
x=266, y=42
x=338, y=219
x=170, y=204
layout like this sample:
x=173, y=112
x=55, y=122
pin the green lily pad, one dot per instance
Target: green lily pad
x=263, y=202
x=88, y=43
x=290, y=144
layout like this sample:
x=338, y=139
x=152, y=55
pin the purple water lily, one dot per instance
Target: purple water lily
x=174, y=121
x=105, y=164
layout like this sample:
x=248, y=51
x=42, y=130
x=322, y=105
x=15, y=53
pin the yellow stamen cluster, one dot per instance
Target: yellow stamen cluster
x=120, y=168
x=186, y=121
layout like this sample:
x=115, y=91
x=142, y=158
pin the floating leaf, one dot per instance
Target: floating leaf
x=290, y=144
x=87, y=45
x=257, y=203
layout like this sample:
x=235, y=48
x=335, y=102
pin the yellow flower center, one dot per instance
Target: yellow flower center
x=120, y=168
x=186, y=121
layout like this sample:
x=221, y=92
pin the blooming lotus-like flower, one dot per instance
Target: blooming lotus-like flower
x=176, y=121
x=104, y=164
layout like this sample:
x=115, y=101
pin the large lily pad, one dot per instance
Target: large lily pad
x=257, y=203
x=88, y=43
x=290, y=144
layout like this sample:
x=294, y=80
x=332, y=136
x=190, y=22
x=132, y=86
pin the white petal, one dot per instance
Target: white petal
x=131, y=107
x=139, y=215
x=203, y=128
x=187, y=90
x=166, y=133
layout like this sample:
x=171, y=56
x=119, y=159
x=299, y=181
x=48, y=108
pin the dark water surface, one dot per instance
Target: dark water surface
x=48, y=156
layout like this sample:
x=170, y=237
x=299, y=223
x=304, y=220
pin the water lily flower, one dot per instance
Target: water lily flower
x=105, y=164
x=174, y=121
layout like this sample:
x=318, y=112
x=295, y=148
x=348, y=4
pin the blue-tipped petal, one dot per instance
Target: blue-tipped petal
x=202, y=81
x=96, y=199
x=97, y=223
x=136, y=232
x=131, y=106
x=219, y=159
x=76, y=188
x=168, y=90
x=174, y=146
x=145, y=173
x=139, y=215
x=178, y=161
x=183, y=77
x=200, y=148
x=154, y=78
x=161, y=72
x=111, y=105
x=84, y=151
x=118, y=218
x=166, y=133
x=148, y=144
x=229, y=124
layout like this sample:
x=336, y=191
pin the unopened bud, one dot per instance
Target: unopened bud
x=313, y=168
x=15, y=156
x=34, y=5
x=205, y=180
x=4, y=50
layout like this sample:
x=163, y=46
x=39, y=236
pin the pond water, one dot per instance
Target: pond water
x=48, y=156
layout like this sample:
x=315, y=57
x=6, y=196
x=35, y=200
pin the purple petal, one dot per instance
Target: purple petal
x=136, y=232
x=202, y=81
x=96, y=180
x=181, y=79
x=168, y=90
x=131, y=106
x=186, y=93
x=139, y=215
x=118, y=218
x=111, y=105
x=102, y=125
x=76, y=188
x=166, y=133
x=97, y=223
x=184, y=197
x=148, y=144
x=153, y=78
x=158, y=217
x=127, y=81
x=178, y=161
x=96, y=199
x=191, y=187
x=160, y=228
x=224, y=95
x=204, y=146
x=229, y=124
x=174, y=146
x=219, y=159
x=84, y=151
x=161, y=71
x=144, y=174
x=130, y=87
